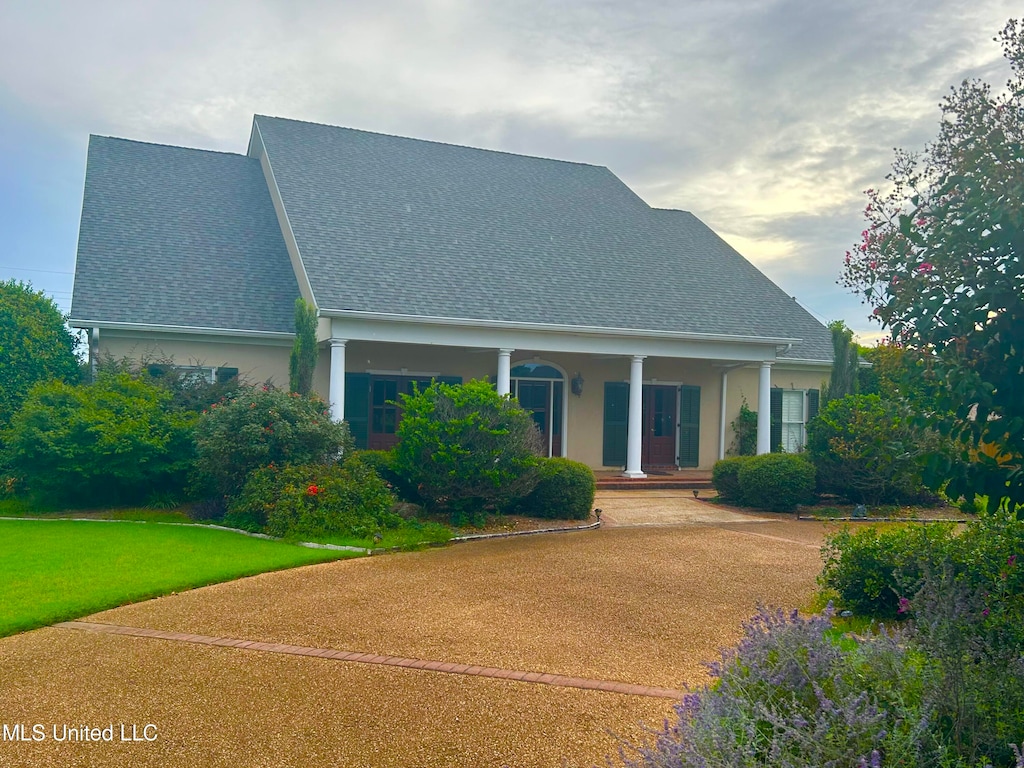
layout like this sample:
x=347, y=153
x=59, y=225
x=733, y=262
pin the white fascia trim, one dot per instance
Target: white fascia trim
x=186, y=329
x=275, y=196
x=551, y=328
x=792, y=362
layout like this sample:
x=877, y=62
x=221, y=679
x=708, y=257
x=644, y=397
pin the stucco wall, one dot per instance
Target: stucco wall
x=256, y=361
x=260, y=361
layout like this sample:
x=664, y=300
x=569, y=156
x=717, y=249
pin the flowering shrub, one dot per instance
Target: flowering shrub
x=314, y=500
x=792, y=694
x=869, y=569
x=259, y=426
x=964, y=595
x=117, y=440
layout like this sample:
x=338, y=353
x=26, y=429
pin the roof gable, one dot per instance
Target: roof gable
x=180, y=237
x=408, y=227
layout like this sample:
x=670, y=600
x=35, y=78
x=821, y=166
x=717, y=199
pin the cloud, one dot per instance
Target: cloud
x=766, y=118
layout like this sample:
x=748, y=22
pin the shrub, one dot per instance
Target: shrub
x=114, y=441
x=466, y=449
x=866, y=449
x=260, y=426
x=793, y=694
x=870, y=570
x=383, y=463
x=725, y=478
x=314, y=500
x=776, y=481
x=965, y=594
x=565, y=491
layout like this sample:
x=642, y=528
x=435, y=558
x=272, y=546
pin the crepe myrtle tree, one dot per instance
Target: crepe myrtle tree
x=941, y=261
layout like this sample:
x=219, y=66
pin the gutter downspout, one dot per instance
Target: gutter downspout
x=94, y=351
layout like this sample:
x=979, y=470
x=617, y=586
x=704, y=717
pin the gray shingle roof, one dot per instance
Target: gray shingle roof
x=180, y=237
x=395, y=225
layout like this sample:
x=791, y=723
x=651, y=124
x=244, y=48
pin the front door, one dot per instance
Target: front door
x=385, y=408
x=658, y=448
x=544, y=401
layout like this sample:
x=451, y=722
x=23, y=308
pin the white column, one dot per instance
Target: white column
x=504, y=371
x=336, y=396
x=764, y=409
x=634, y=431
x=721, y=416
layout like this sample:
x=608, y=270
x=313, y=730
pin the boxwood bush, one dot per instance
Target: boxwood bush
x=314, y=500
x=725, y=478
x=565, y=491
x=776, y=481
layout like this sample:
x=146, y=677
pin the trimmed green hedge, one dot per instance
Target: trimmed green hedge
x=725, y=478
x=776, y=482
x=565, y=491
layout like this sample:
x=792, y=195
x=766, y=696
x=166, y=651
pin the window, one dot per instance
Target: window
x=194, y=374
x=792, y=420
x=791, y=409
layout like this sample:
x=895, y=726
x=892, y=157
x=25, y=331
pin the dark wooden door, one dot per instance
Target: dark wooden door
x=658, y=448
x=384, y=413
x=534, y=396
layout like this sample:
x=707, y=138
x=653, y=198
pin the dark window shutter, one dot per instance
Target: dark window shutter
x=357, y=407
x=776, y=420
x=225, y=375
x=616, y=419
x=689, y=426
x=813, y=398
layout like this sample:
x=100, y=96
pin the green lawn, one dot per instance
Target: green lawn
x=55, y=570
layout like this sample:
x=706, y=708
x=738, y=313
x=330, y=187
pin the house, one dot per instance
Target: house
x=633, y=334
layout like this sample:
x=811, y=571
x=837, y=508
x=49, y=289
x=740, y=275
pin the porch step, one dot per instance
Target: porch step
x=676, y=482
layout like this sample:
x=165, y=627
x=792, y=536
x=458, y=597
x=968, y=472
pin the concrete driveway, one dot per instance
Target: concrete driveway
x=631, y=608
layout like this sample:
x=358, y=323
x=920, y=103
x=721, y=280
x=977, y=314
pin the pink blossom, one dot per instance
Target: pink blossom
x=904, y=605
x=873, y=264
x=925, y=266
x=922, y=222
x=985, y=612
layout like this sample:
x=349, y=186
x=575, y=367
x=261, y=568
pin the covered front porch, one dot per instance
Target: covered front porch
x=595, y=397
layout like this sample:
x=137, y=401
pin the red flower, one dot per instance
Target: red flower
x=925, y=267
x=312, y=490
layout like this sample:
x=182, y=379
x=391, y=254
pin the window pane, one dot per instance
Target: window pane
x=792, y=406
x=535, y=371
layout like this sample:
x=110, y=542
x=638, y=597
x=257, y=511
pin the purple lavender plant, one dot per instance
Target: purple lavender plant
x=792, y=694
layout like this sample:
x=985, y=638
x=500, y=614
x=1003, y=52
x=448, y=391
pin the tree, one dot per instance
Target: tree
x=942, y=263
x=843, y=380
x=35, y=345
x=304, y=352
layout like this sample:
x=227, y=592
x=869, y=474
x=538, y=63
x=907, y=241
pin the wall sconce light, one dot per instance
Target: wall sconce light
x=577, y=384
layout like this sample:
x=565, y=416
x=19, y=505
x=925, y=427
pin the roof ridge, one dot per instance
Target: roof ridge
x=255, y=117
x=167, y=146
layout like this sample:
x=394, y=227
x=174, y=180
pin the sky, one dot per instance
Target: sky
x=767, y=119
